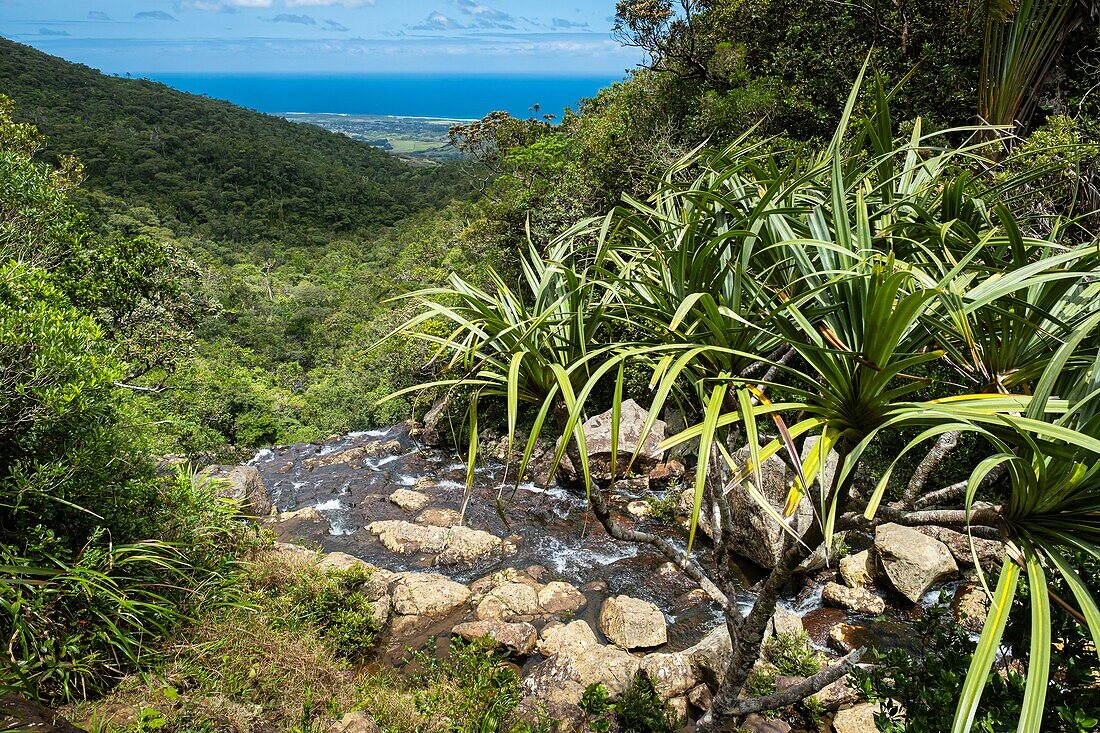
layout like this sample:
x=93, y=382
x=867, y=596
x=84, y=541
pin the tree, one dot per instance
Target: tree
x=841, y=280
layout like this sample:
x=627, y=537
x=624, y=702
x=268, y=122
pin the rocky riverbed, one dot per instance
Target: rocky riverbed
x=530, y=568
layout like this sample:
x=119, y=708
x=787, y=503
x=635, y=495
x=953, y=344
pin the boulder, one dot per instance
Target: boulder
x=20, y=714
x=711, y=655
x=667, y=473
x=431, y=432
x=970, y=606
x=639, y=509
x=305, y=515
x=912, y=561
x=754, y=533
x=857, y=570
x=507, y=601
x=632, y=623
x=427, y=594
x=838, y=694
x=632, y=418
x=452, y=546
x=242, y=485
x=677, y=707
x=859, y=600
x=410, y=501
x=517, y=638
x=700, y=697
x=858, y=719
x=355, y=722
x=439, y=517
x=756, y=723
x=671, y=674
x=606, y=665
x=557, y=597
x=567, y=638
x=783, y=622
x=373, y=449
x=990, y=552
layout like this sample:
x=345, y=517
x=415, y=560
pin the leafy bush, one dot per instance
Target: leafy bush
x=638, y=710
x=792, y=654
x=918, y=692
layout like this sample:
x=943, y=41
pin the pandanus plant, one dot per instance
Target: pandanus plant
x=832, y=282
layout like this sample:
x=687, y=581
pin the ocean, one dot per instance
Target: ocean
x=402, y=95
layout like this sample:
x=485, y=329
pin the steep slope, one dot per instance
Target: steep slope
x=209, y=167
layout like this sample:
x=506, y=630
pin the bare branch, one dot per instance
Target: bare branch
x=932, y=461
x=805, y=688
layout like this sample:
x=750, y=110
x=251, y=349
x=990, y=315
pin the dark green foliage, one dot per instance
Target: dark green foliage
x=215, y=169
x=336, y=607
x=919, y=692
x=638, y=710
x=792, y=654
x=474, y=687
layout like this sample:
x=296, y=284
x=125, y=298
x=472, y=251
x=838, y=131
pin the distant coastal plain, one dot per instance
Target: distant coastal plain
x=407, y=114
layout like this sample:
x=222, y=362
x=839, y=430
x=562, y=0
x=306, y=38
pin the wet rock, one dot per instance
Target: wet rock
x=427, y=594
x=566, y=638
x=857, y=570
x=596, y=586
x=819, y=621
x=711, y=655
x=507, y=601
x=970, y=606
x=453, y=546
x=693, y=598
x=19, y=714
x=883, y=635
x=536, y=572
x=597, y=436
x=243, y=485
x=671, y=674
x=518, y=638
x=430, y=431
x=756, y=723
x=667, y=473
x=557, y=597
x=686, y=506
x=308, y=514
x=632, y=623
x=990, y=552
x=700, y=697
x=439, y=517
x=355, y=722
x=606, y=665
x=410, y=501
x=912, y=561
x=754, y=533
x=783, y=622
x=858, y=719
x=859, y=600
x=639, y=509
x=374, y=449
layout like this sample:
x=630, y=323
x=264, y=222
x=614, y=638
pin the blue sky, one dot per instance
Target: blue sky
x=325, y=36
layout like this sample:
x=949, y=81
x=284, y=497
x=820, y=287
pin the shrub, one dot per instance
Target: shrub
x=638, y=710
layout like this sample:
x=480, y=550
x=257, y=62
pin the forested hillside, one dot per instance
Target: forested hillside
x=208, y=167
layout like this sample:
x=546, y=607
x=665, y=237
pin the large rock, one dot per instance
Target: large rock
x=452, y=546
x=754, y=533
x=857, y=570
x=243, y=485
x=711, y=655
x=632, y=623
x=990, y=552
x=410, y=501
x=783, y=622
x=757, y=723
x=970, y=606
x=439, y=517
x=567, y=638
x=427, y=594
x=606, y=665
x=355, y=722
x=859, y=600
x=20, y=714
x=373, y=449
x=912, y=561
x=671, y=674
x=597, y=437
x=557, y=597
x=507, y=601
x=517, y=638
x=858, y=719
